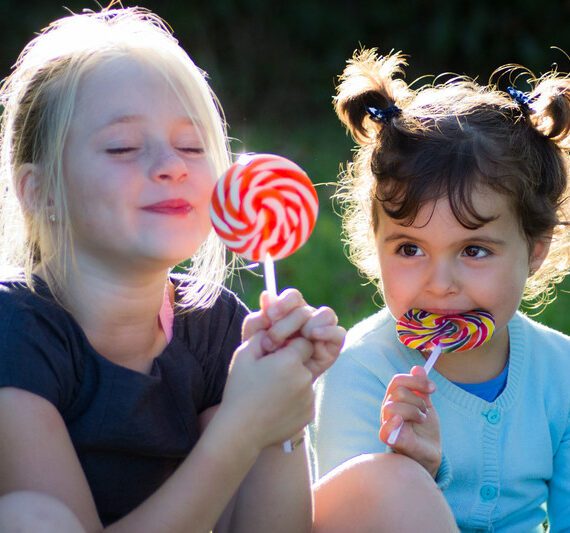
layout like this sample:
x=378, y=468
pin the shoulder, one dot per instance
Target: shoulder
x=535, y=336
x=20, y=306
x=41, y=346
x=542, y=355
x=374, y=329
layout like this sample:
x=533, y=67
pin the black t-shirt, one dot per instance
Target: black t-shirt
x=130, y=430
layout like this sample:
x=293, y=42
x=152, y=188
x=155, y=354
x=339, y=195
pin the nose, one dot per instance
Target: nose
x=443, y=278
x=168, y=166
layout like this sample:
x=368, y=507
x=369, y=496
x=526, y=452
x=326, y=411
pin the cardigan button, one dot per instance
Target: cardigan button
x=488, y=492
x=493, y=416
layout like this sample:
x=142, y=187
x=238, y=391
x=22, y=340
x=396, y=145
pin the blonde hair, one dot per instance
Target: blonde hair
x=39, y=101
x=447, y=139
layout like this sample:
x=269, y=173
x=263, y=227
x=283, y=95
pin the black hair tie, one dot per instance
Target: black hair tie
x=522, y=99
x=383, y=115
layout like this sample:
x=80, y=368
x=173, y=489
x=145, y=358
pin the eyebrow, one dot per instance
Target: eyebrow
x=476, y=238
x=127, y=119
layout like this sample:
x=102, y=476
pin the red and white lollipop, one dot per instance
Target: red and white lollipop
x=264, y=208
x=433, y=334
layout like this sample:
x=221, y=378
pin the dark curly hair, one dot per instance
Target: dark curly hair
x=447, y=139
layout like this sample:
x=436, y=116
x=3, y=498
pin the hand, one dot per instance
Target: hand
x=271, y=393
x=407, y=400
x=288, y=316
x=327, y=336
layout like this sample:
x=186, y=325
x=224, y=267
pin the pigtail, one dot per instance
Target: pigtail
x=551, y=109
x=368, y=84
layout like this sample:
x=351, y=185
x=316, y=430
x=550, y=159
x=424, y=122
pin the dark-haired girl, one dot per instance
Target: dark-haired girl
x=458, y=199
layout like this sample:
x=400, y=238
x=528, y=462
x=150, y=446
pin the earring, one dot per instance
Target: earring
x=51, y=218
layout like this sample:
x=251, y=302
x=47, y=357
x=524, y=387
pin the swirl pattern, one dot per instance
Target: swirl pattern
x=421, y=330
x=264, y=204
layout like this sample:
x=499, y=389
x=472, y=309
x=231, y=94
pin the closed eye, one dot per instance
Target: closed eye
x=121, y=150
x=194, y=150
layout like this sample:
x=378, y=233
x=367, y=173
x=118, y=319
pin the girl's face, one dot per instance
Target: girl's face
x=137, y=176
x=442, y=267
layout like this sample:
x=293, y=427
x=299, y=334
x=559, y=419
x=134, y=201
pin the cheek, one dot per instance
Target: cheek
x=398, y=288
x=500, y=292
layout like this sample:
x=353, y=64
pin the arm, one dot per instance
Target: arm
x=559, y=487
x=265, y=401
x=276, y=495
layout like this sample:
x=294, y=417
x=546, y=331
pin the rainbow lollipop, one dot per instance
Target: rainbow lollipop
x=264, y=208
x=432, y=333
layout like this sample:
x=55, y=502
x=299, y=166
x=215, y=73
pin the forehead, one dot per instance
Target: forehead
x=486, y=202
x=125, y=86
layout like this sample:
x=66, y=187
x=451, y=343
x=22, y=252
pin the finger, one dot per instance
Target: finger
x=405, y=395
x=321, y=317
x=323, y=357
x=251, y=348
x=389, y=428
x=253, y=323
x=297, y=347
x=419, y=371
x=334, y=335
x=408, y=412
x=288, y=300
x=286, y=327
x=419, y=384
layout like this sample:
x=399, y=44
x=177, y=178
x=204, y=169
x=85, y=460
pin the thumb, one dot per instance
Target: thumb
x=251, y=349
x=265, y=300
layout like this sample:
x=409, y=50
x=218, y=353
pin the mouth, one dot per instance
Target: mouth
x=446, y=312
x=175, y=206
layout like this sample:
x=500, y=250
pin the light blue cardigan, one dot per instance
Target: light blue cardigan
x=505, y=462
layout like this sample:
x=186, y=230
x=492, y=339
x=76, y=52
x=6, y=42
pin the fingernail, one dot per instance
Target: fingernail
x=431, y=386
x=273, y=313
x=267, y=344
x=318, y=331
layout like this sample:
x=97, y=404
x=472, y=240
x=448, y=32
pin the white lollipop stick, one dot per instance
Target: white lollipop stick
x=271, y=286
x=393, y=437
x=269, y=271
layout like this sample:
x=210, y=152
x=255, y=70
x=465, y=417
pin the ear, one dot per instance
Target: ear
x=27, y=187
x=539, y=251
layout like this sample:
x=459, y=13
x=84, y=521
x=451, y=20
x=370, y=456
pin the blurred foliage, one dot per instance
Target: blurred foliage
x=273, y=65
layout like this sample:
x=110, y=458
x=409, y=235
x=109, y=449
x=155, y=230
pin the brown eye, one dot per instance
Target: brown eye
x=476, y=252
x=409, y=250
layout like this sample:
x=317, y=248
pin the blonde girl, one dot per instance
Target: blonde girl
x=131, y=398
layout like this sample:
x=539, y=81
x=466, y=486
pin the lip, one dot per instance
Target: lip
x=436, y=311
x=173, y=206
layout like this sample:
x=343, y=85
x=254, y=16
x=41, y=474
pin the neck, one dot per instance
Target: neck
x=118, y=311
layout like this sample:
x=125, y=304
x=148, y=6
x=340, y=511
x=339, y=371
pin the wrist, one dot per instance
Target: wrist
x=231, y=427
x=432, y=465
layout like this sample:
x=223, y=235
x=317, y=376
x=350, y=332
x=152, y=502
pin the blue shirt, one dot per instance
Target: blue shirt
x=487, y=390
